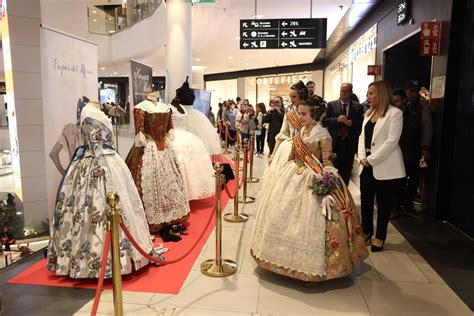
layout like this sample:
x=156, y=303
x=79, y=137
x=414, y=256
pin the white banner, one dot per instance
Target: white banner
x=68, y=73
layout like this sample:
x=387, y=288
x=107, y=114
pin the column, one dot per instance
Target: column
x=21, y=53
x=178, y=45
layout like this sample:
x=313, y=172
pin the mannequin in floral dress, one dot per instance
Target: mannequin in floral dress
x=80, y=217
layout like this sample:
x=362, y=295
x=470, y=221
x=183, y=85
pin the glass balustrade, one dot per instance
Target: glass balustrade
x=110, y=16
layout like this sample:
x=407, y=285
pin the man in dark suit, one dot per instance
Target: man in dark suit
x=344, y=121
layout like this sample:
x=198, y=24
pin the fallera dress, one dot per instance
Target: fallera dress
x=193, y=159
x=289, y=128
x=80, y=220
x=198, y=124
x=154, y=165
x=291, y=235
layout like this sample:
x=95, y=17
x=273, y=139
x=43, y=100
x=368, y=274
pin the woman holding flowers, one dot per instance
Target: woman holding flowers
x=307, y=226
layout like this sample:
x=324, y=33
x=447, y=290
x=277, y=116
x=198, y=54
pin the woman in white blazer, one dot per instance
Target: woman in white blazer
x=381, y=162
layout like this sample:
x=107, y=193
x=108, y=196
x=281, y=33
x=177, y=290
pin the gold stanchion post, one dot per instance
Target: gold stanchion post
x=235, y=217
x=114, y=226
x=251, y=178
x=226, y=131
x=245, y=199
x=218, y=267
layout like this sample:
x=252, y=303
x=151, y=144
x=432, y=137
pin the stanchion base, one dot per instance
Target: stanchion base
x=253, y=180
x=213, y=269
x=247, y=200
x=239, y=218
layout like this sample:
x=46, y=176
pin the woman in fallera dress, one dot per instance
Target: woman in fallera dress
x=80, y=219
x=284, y=139
x=301, y=234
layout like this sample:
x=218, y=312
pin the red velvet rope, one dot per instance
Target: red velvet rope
x=100, y=284
x=228, y=135
x=103, y=265
x=157, y=260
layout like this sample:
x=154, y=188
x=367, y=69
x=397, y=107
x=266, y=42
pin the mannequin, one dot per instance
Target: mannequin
x=154, y=166
x=69, y=139
x=80, y=216
x=198, y=124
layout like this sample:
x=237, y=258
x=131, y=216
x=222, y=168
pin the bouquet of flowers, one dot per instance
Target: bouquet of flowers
x=323, y=184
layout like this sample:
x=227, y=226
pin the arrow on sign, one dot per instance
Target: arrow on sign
x=254, y=44
x=245, y=24
x=284, y=44
x=245, y=44
x=284, y=23
x=284, y=33
x=245, y=34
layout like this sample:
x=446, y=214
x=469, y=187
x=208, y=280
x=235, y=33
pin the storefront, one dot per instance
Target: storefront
x=351, y=66
x=261, y=88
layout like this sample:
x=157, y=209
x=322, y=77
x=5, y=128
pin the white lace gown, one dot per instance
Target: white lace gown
x=154, y=165
x=193, y=158
x=80, y=221
x=198, y=124
x=290, y=229
x=283, y=152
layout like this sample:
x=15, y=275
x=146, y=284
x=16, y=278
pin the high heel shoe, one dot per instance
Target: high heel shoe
x=368, y=240
x=376, y=248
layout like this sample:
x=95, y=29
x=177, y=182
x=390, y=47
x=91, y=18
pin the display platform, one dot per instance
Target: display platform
x=166, y=279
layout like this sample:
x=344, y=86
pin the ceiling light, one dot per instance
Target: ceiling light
x=102, y=68
x=246, y=64
x=230, y=57
x=94, y=11
x=115, y=73
x=110, y=19
x=95, y=20
x=111, y=31
x=111, y=74
x=198, y=59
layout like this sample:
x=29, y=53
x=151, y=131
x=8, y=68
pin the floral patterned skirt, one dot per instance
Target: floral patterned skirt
x=79, y=227
x=292, y=237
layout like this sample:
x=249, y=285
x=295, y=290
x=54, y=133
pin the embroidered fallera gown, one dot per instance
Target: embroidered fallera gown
x=194, y=160
x=289, y=128
x=291, y=235
x=154, y=165
x=80, y=220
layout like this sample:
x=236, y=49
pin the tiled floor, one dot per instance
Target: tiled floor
x=397, y=281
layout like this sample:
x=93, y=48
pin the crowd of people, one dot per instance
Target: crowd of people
x=389, y=135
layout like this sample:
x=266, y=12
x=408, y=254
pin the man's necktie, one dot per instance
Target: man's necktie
x=343, y=131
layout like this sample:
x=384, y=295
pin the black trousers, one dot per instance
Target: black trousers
x=261, y=141
x=271, y=144
x=387, y=193
x=411, y=185
x=345, y=151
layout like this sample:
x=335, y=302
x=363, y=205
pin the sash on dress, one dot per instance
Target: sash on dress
x=293, y=120
x=340, y=194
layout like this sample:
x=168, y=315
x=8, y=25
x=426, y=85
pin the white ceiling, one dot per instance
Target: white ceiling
x=216, y=35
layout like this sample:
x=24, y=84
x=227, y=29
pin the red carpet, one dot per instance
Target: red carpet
x=165, y=279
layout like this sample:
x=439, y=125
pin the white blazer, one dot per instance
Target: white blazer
x=386, y=156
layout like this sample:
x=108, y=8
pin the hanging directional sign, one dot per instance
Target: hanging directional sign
x=283, y=33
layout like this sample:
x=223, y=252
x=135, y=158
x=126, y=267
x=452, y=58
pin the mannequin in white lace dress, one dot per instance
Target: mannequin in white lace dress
x=194, y=160
x=197, y=123
x=154, y=165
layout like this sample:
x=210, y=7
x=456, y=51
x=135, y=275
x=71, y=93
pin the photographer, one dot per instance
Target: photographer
x=274, y=120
